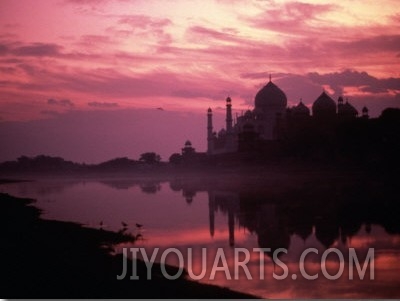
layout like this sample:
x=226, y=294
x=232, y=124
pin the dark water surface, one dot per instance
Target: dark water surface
x=290, y=212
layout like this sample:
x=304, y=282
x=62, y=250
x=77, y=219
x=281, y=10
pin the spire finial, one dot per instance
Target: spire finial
x=270, y=78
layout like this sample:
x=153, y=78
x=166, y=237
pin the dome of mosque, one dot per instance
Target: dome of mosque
x=270, y=96
x=349, y=109
x=301, y=109
x=324, y=104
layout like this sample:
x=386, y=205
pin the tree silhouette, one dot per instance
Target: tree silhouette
x=150, y=158
x=175, y=158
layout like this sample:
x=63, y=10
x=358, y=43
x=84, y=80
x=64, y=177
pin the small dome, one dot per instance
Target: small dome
x=221, y=133
x=365, y=110
x=188, y=143
x=301, y=109
x=324, y=105
x=349, y=109
x=209, y=110
x=248, y=114
x=228, y=99
x=270, y=96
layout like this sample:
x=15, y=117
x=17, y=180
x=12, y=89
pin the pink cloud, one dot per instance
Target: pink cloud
x=143, y=21
x=292, y=17
x=151, y=59
x=225, y=35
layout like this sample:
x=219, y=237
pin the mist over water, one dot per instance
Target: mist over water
x=294, y=212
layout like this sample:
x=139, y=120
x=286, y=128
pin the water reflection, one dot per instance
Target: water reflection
x=343, y=214
x=291, y=213
x=331, y=212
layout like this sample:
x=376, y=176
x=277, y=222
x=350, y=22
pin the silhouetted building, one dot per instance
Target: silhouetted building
x=365, y=113
x=271, y=119
x=188, y=150
x=189, y=154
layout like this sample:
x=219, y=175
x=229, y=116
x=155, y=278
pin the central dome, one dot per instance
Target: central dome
x=270, y=96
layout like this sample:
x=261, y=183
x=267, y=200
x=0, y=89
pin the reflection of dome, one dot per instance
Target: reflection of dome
x=324, y=105
x=270, y=96
x=273, y=238
x=301, y=109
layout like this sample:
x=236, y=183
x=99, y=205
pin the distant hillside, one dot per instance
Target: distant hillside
x=40, y=163
x=48, y=164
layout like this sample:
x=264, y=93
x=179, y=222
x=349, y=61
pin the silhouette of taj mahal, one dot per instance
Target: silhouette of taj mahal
x=271, y=120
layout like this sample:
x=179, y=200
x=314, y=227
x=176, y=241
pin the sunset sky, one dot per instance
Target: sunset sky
x=91, y=80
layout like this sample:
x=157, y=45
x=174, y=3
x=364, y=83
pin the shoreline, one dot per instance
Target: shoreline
x=54, y=259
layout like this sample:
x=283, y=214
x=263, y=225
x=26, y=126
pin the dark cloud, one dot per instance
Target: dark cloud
x=351, y=78
x=4, y=49
x=29, y=69
x=11, y=61
x=102, y=104
x=90, y=40
x=376, y=43
x=37, y=49
x=61, y=102
x=7, y=70
x=34, y=49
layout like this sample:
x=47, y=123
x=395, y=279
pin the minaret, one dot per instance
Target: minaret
x=210, y=141
x=228, y=115
x=365, y=114
x=229, y=128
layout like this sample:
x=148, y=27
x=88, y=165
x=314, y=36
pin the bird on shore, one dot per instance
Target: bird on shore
x=139, y=226
x=125, y=225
